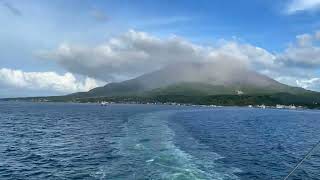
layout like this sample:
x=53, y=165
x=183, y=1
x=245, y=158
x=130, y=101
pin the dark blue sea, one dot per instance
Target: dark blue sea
x=88, y=141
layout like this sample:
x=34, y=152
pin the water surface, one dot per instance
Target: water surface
x=87, y=141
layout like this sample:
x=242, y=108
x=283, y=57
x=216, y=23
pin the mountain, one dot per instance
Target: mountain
x=219, y=83
x=195, y=79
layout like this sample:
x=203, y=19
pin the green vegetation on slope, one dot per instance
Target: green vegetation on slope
x=193, y=93
x=309, y=101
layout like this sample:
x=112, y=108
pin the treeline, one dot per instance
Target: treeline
x=224, y=100
x=308, y=100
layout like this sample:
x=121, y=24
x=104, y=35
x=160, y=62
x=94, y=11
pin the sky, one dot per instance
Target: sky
x=59, y=47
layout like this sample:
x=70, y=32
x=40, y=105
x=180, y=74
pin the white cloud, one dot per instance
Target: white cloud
x=45, y=81
x=302, y=5
x=312, y=83
x=304, y=40
x=254, y=57
x=305, y=52
x=135, y=53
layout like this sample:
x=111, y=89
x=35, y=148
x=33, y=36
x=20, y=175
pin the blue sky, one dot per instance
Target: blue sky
x=34, y=36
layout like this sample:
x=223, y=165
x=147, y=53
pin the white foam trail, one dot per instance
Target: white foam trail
x=148, y=146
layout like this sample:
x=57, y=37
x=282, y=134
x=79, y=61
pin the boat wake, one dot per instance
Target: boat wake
x=148, y=151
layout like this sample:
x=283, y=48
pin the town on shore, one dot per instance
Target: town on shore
x=262, y=106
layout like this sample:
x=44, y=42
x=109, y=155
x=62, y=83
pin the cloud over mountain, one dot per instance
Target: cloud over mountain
x=134, y=53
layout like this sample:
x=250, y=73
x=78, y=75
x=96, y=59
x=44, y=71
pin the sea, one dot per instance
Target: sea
x=125, y=141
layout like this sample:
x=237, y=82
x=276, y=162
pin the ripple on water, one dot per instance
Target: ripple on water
x=83, y=141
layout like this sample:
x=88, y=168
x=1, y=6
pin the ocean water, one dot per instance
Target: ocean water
x=87, y=141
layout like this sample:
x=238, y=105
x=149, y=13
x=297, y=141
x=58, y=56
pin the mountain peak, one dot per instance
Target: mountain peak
x=225, y=77
x=214, y=73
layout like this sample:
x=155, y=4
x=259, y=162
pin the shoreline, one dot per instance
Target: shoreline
x=262, y=106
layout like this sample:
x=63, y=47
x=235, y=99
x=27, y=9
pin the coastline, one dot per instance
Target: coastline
x=104, y=103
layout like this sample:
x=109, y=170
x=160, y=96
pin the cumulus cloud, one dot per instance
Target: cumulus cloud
x=312, y=83
x=135, y=53
x=298, y=64
x=254, y=57
x=304, y=52
x=47, y=81
x=302, y=5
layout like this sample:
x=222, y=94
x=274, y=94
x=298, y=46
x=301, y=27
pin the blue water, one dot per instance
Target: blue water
x=87, y=141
